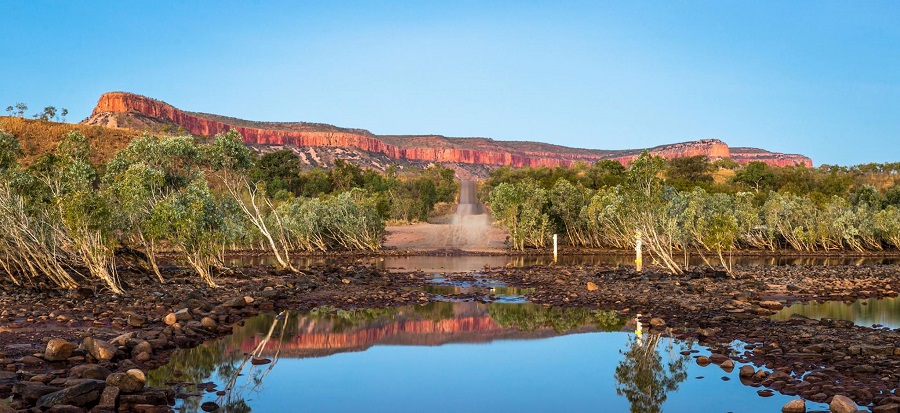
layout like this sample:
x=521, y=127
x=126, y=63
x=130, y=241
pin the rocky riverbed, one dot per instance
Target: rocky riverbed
x=80, y=350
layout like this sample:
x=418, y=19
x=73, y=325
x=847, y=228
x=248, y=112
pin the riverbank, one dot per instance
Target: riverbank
x=814, y=359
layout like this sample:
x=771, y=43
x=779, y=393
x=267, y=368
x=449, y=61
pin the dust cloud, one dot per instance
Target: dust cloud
x=470, y=224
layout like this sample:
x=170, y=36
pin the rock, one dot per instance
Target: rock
x=592, y=287
x=794, y=406
x=89, y=371
x=129, y=382
x=109, y=399
x=727, y=365
x=746, y=371
x=183, y=315
x=58, y=350
x=208, y=323
x=771, y=305
x=716, y=358
x=142, y=347
x=65, y=408
x=887, y=408
x=32, y=391
x=30, y=360
x=136, y=321
x=209, y=407
x=657, y=322
x=79, y=395
x=101, y=350
x=237, y=302
x=842, y=404
x=170, y=319
x=702, y=361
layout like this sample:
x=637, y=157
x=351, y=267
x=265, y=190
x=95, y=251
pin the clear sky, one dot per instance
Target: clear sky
x=821, y=78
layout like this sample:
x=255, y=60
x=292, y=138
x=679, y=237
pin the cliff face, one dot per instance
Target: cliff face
x=439, y=149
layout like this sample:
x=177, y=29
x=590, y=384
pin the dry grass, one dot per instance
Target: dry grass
x=39, y=137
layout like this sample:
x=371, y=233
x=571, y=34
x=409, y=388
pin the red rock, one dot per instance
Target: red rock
x=480, y=151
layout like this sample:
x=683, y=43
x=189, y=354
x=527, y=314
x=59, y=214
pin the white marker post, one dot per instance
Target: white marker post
x=554, y=248
x=637, y=251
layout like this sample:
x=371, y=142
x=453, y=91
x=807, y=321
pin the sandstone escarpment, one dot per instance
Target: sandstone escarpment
x=427, y=148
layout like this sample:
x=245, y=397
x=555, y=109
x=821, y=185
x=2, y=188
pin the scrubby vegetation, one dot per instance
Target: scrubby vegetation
x=64, y=217
x=690, y=204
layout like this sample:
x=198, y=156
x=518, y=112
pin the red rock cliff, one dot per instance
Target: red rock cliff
x=415, y=148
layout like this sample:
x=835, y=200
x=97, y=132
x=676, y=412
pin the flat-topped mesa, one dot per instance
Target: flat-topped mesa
x=427, y=148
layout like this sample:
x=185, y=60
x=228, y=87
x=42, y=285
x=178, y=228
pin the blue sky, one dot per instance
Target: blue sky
x=821, y=78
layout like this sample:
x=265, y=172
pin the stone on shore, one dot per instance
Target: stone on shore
x=794, y=406
x=58, y=350
x=842, y=404
x=99, y=349
x=81, y=394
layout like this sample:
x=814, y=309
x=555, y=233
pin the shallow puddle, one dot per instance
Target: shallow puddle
x=868, y=312
x=451, y=357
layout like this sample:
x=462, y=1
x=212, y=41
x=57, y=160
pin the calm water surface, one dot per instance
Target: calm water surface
x=455, y=356
x=868, y=312
x=467, y=263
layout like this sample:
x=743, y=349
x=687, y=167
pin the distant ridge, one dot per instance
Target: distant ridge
x=131, y=111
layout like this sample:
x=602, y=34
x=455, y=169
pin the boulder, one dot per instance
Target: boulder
x=99, y=349
x=31, y=391
x=208, y=323
x=81, y=394
x=142, y=347
x=170, y=319
x=183, y=315
x=794, y=406
x=88, y=371
x=842, y=404
x=746, y=371
x=109, y=399
x=771, y=305
x=58, y=350
x=237, y=302
x=657, y=322
x=129, y=382
x=592, y=287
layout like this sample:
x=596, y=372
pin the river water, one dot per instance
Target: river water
x=454, y=356
x=869, y=312
x=467, y=263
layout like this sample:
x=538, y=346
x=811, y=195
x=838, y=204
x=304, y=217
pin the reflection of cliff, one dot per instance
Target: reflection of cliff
x=431, y=148
x=321, y=335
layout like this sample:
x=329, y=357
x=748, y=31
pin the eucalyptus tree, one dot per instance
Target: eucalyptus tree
x=140, y=176
x=192, y=221
x=521, y=208
x=29, y=247
x=78, y=210
x=648, y=203
x=607, y=221
x=566, y=202
x=232, y=160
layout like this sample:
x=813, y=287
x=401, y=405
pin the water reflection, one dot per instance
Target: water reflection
x=867, y=312
x=447, y=357
x=468, y=263
x=644, y=378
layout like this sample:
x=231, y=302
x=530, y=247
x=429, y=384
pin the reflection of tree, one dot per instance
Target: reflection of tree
x=642, y=377
x=224, y=358
x=532, y=317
